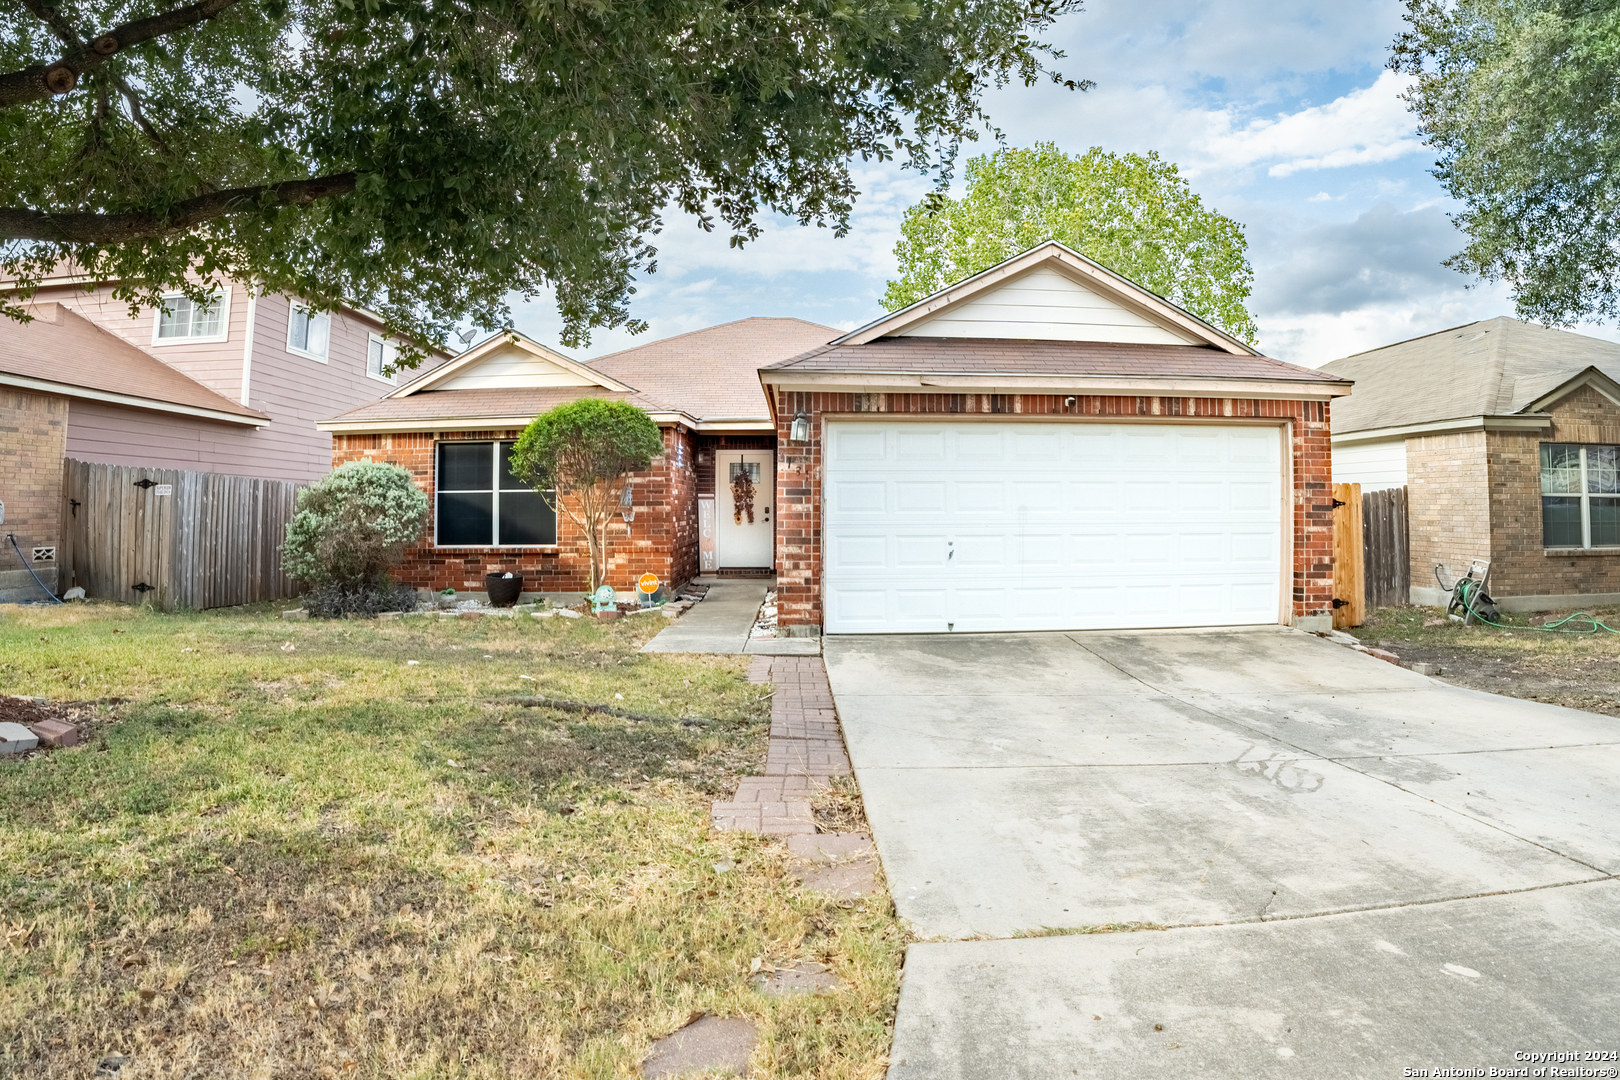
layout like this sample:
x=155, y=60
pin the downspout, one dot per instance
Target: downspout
x=247, y=349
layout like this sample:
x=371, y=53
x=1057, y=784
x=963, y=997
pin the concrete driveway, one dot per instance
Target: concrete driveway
x=1365, y=867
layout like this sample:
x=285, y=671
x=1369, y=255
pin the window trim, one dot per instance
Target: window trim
x=224, y=321
x=495, y=500
x=293, y=307
x=391, y=380
x=1584, y=497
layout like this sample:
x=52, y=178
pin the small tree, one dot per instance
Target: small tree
x=352, y=526
x=582, y=454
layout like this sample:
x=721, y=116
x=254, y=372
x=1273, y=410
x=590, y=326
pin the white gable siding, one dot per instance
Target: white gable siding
x=512, y=367
x=1049, y=306
x=1373, y=465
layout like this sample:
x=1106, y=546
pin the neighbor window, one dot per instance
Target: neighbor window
x=380, y=357
x=309, y=332
x=1580, y=495
x=481, y=504
x=183, y=319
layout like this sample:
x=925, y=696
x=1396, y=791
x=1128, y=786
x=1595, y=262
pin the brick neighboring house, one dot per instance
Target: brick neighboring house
x=1048, y=446
x=453, y=428
x=1507, y=438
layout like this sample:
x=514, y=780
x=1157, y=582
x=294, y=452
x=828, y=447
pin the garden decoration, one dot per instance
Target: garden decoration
x=602, y=600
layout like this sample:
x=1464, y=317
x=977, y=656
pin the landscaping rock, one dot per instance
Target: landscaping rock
x=710, y=1044
x=56, y=732
x=16, y=739
x=1427, y=669
x=469, y=615
x=607, y=616
x=1384, y=655
x=294, y=614
x=75, y=593
x=806, y=977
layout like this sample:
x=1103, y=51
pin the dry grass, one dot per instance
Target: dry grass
x=1578, y=670
x=1090, y=928
x=292, y=853
x=838, y=807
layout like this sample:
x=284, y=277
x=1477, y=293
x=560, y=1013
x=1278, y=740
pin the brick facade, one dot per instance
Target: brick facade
x=662, y=539
x=799, y=474
x=1520, y=566
x=1449, y=515
x=33, y=442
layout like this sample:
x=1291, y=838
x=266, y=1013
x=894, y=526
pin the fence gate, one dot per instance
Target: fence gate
x=1388, y=550
x=174, y=538
x=1349, y=593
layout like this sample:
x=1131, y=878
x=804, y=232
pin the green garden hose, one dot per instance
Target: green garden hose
x=1465, y=588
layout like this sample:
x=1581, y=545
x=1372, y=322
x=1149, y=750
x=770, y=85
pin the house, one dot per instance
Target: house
x=453, y=428
x=1048, y=446
x=233, y=386
x=1507, y=438
x=1044, y=446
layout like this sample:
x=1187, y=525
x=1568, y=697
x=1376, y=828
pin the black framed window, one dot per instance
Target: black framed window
x=481, y=504
x=1580, y=495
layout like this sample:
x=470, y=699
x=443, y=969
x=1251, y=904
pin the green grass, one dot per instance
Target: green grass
x=288, y=851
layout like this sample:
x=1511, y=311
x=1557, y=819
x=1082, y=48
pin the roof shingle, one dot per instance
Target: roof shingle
x=63, y=347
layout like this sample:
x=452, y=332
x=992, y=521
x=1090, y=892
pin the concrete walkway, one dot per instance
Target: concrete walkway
x=721, y=621
x=1363, y=869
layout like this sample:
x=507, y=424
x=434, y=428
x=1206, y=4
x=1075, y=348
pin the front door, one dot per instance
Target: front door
x=746, y=491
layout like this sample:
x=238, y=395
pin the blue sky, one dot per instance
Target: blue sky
x=1281, y=114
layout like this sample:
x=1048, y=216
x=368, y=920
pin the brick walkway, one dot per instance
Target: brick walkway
x=806, y=751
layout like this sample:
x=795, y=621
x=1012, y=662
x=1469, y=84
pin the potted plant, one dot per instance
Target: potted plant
x=504, y=589
x=447, y=598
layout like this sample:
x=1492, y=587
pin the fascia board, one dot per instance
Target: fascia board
x=523, y=341
x=1591, y=376
x=1011, y=383
x=1446, y=427
x=462, y=423
x=149, y=404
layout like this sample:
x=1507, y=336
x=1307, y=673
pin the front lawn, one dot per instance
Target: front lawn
x=359, y=849
x=1524, y=659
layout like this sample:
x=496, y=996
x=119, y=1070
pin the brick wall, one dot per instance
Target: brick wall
x=799, y=465
x=33, y=440
x=1520, y=566
x=1450, y=509
x=662, y=539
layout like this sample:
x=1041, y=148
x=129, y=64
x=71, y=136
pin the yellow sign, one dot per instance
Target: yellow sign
x=648, y=584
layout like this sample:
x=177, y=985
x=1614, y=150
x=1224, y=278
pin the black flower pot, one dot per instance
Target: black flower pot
x=503, y=591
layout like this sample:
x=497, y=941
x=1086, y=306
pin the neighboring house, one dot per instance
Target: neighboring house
x=64, y=384
x=231, y=387
x=1507, y=437
x=1044, y=446
x=454, y=427
x=1048, y=446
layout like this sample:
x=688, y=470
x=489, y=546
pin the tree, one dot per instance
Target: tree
x=351, y=529
x=1135, y=215
x=427, y=159
x=1521, y=100
x=579, y=457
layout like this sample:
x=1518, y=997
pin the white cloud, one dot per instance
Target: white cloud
x=1364, y=127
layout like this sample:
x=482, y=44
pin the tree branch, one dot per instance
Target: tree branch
x=48, y=80
x=81, y=228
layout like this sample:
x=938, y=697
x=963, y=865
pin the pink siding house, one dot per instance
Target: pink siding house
x=234, y=386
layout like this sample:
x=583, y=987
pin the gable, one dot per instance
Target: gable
x=1047, y=305
x=512, y=366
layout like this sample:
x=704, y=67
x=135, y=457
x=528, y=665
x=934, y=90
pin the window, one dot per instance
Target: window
x=183, y=319
x=380, y=356
x=1580, y=495
x=308, y=332
x=475, y=511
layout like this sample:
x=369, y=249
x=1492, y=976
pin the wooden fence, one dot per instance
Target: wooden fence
x=174, y=539
x=1349, y=595
x=1388, y=565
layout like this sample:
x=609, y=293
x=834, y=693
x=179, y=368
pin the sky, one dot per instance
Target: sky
x=1281, y=115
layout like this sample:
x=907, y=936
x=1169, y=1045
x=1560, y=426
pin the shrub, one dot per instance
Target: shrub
x=351, y=529
x=333, y=601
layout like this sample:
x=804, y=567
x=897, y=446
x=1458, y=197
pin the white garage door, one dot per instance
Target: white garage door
x=1050, y=526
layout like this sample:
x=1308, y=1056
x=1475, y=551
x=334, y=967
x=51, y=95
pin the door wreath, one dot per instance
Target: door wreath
x=742, y=495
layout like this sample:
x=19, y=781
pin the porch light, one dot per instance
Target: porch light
x=627, y=509
x=800, y=432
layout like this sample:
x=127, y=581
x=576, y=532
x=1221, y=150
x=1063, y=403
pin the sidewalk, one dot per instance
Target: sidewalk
x=721, y=621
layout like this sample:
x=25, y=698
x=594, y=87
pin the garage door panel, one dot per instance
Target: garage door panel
x=1032, y=526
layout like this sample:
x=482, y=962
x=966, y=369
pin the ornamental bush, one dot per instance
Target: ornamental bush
x=352, y=527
